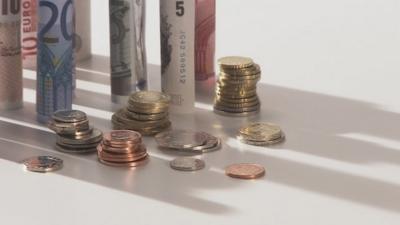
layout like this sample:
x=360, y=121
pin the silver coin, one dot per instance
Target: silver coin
x=146, y=117
x=180, y=139
x=43, y=164
x=69, y=116
x=242, y=114
x=95, y=137
x=68, y=128
x=216, y=147
x=75, y=150
x=210, y=143
x=187, y=164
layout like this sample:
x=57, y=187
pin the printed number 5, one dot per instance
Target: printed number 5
x=180, y=9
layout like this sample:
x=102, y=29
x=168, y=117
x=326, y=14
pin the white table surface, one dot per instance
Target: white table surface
x=331, y=78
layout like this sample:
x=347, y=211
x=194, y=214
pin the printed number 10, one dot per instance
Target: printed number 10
x=180, y=8
x=14, y=7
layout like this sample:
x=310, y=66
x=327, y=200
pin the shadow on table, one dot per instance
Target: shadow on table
x=315, y=124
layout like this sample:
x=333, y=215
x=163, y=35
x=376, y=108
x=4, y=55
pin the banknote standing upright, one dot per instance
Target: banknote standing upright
x=55, y=63
x=29, y=33
x=127, y=49
x=177, y=28
x=10, y=55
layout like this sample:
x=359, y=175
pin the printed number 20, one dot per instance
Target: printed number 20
x=54, y=17
x=180, y=9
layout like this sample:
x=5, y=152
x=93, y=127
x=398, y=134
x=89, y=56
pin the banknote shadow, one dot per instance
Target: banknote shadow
x=320, y=125
x=315, y=125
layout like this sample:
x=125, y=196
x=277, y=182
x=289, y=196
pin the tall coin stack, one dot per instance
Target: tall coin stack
x=236, y=91
x=122, y=148
x=74, y=134
x=146, y=112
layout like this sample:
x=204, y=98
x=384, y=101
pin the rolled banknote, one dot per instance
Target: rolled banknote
x=10, y=55
x=29, y=33
x=82, y=40
x=127, y=50
x=177, y=26
x=55, y=57
x=139, y=58
x=205, y=39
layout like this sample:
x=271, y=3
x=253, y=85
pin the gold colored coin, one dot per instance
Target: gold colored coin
x=261, y=131
x=235, y=62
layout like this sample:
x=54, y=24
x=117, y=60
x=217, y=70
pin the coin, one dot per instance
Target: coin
x=122, y=136
x=126, y=164
x=149, y=98
x=211, y=141
x=245, y=171
x=146, y=117
x=75, y=150
x=187, y=164
x=69, y=116
x=242, y=114
x=146, y=112
x=245, y=140
x=180, y=139
x=235, y=62
x=94, y=137
x=252, y=70
x=261, y=131
x=43, y=164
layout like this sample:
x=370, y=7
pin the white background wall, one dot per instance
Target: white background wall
x=334, y=47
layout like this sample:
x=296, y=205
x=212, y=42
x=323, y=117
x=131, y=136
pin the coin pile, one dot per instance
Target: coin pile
x=236, y=91
x=146, y=112
x=43, y=164
x=261, y=134
x=188, y=141
x=74, y=134
x=122, y=148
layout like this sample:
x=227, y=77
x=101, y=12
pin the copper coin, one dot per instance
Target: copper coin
x=128, y=164
x=122, y=159
x=123, y=150
x=245, y=171
x=122, y=136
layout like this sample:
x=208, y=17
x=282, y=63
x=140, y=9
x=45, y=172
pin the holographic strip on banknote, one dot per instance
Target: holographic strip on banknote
x=127, y=49
x=55, y=57
x=10, y=55
x=29, y=33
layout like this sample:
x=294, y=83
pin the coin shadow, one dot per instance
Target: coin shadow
x=155, y=180
x=315, y=125
x=322, y=126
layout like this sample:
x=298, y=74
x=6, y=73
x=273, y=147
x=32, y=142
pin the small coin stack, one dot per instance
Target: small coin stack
x=188, y=141
x=146, y=112
x=236, y=91
x=261, y=134
x=122, y=148
x=74, y=134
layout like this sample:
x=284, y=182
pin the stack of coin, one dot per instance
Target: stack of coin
x=188, y=141
x=74, y=134
x=146, y=112
x=122, y=148
x=236, y=91
x=261, y=134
